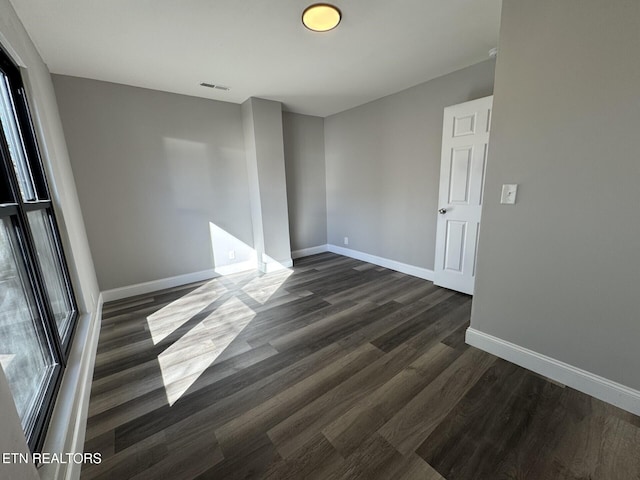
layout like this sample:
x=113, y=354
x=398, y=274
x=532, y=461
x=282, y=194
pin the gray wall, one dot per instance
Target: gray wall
x=383, y=167
x=559, y=272
x=154, y=170
x=306, y=187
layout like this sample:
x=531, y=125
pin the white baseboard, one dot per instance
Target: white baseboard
x=419, y=272
x=271, y=266
x=275, y=266
x=236, y=268
x=606, y=390
x=155, y=285
x=307, y=252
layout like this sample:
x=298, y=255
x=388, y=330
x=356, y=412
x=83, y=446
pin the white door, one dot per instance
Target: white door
x=465, y=140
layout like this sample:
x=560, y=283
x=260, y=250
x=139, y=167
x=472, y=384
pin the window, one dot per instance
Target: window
x=37, y=307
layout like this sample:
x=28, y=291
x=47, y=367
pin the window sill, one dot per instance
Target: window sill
x=68, y=423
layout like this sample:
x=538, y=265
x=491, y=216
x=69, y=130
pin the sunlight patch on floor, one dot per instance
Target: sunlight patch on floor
x=262, y=289
x=171, y=317
x=186, y=360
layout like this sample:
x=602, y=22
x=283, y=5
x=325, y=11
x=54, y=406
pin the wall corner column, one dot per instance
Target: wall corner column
x=264, y=147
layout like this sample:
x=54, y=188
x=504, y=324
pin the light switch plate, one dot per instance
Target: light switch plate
x=509, y=192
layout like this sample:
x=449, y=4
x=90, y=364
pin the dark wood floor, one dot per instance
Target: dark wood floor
x=337, y=369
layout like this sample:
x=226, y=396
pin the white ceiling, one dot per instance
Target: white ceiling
x=260, y=48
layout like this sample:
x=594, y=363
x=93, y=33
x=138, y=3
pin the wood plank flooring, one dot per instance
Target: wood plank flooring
x=336, y=369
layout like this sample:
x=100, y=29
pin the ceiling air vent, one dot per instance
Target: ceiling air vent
x=217, y=87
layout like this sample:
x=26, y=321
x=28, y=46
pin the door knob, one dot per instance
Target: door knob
x=442, y=211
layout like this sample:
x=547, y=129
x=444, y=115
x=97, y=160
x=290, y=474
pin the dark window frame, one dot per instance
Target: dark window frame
x=13, y=206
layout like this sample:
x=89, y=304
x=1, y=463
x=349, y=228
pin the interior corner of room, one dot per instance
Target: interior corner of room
x=154, y=189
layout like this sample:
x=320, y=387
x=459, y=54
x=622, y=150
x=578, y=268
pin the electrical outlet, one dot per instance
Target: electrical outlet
x=509, y=192
x=346, y=240
x=232, y=254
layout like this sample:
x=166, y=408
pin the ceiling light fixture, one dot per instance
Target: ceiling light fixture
x=321, y=17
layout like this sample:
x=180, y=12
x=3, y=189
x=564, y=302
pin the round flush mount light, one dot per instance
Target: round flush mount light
x=321, y=17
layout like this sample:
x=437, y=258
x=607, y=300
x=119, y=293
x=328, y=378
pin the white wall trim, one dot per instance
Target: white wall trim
x=155, y=285
x=419, y=272
x=88, y=362
x=606, y=390
x=236, y=268
x=307, y=252
x=67, y=429
x=275, y=266
x=12, y=52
